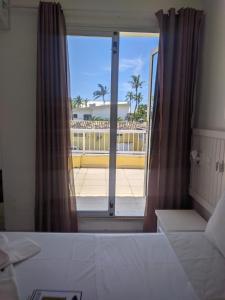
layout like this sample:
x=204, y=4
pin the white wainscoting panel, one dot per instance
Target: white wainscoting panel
x=207, y=181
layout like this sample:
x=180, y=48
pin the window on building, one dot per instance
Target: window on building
x=87, y=117
x=110, y=152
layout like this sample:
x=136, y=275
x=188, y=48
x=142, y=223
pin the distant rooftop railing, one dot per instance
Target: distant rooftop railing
x=126, y=125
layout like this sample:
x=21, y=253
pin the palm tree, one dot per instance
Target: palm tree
x=86, y=102
x=77, y=102
x=136, y=84
x=138, y=99
x=73, y=103
x=103, y=90
x=130, y=98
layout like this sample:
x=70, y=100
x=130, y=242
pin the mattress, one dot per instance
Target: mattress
x=202, y=262
x=104, y=267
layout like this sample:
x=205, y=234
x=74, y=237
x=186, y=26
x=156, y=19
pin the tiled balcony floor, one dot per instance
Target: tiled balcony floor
x=92, y=190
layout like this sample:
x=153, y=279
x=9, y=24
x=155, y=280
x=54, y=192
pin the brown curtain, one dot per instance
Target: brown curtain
x=178, y=60
x=54, y=209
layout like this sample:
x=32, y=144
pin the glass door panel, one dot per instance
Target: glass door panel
x=152, y=82
x=90, y=78
x=132, y=115
x=111, y=110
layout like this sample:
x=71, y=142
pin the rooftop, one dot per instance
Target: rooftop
x=126, y=125
x=91, y=104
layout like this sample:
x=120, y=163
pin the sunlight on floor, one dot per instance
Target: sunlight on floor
x=92, y=190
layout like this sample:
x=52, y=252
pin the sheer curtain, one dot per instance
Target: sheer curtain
x=55, y=209
x=178, y=60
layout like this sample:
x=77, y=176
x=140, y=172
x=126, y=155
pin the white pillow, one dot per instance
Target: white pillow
x=215, y=229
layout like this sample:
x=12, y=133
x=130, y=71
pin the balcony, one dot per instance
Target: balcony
x=90, y=144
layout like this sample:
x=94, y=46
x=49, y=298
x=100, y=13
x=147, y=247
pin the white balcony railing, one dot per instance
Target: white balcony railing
x=129, y=141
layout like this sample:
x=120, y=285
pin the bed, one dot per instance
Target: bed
x=104, y=267
x=202, y=262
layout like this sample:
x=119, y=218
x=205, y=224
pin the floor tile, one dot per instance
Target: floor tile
x=92, y=190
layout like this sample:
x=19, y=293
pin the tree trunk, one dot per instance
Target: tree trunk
x=135, y=109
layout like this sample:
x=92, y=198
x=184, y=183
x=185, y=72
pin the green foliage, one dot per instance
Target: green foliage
x=135, y=95
x=77, y=102
x=86, y=102
x=98, y=119
x=141, y=114
x=119, y=119
x=130, y=99
x=136, y=82
x=101, y=92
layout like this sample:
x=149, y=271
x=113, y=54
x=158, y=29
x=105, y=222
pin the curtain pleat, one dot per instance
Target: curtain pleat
x=55, y=207
x=178, y=61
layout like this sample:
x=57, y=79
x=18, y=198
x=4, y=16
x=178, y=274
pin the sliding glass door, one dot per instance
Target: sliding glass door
x=90, y=77
x=111, y=105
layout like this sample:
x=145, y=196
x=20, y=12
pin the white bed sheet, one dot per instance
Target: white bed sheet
x=105, y=267
x=202, y=262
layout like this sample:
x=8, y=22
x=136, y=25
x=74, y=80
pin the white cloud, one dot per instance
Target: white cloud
x=134, y=64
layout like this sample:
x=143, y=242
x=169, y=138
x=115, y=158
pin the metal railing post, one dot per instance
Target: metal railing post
x=134, y=144
x=84, y=142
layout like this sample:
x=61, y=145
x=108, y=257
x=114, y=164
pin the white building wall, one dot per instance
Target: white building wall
x=102, y=111
x=81, y=111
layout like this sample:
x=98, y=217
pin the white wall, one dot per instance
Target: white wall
x=17, y=120
x=81, y=112
x=18, y=80
x=104, y=111
x=210, y=112
x=101, y=111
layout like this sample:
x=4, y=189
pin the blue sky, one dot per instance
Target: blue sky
x=90, y=64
